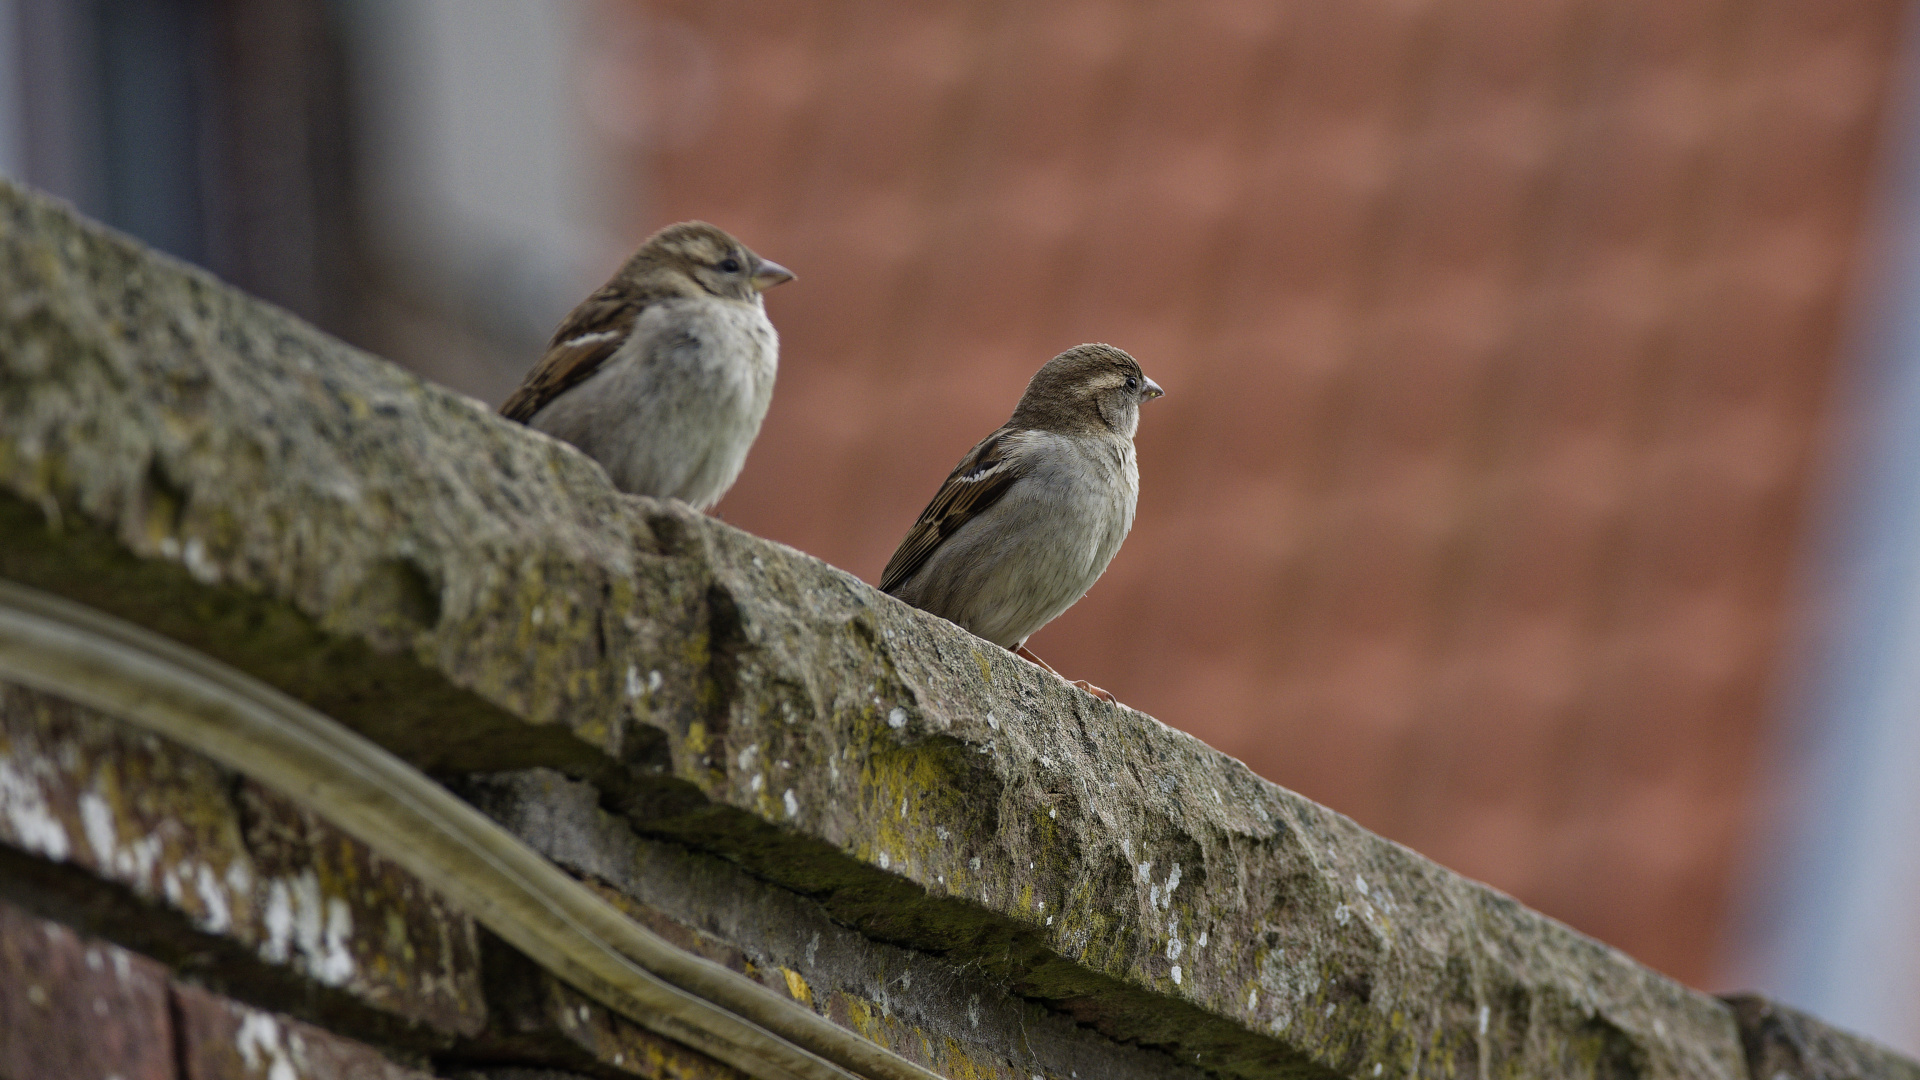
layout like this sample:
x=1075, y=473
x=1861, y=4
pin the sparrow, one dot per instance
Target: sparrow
x=1030, y=518
x=664, y=374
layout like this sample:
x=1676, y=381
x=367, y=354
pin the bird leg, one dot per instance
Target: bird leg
x=1026, y=654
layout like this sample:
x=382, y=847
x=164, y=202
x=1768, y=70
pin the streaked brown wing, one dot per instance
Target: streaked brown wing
x=590, y=334
x=979, y=481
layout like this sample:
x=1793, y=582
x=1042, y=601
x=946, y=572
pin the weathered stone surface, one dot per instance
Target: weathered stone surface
x=1786, y=1044
x=221, y=1039
x=477, y=597
x=537, y=1018
x=515, y=1073
x=71, y=1007
x=238, y=862
x=935, y=1011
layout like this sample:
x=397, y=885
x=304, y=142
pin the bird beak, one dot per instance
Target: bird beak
x=1153, y=390
x=769, y=275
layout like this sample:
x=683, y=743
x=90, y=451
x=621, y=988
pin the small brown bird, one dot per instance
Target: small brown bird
x=664, y=374
x=1030, y=518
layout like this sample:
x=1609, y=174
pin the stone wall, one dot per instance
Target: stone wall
x=758, y=756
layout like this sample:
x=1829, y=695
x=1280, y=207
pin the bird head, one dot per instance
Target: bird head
x=711, y=258
x=1087, y=388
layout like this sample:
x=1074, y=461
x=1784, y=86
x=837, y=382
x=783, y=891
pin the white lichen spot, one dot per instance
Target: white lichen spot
x=1145, y=870
x=1176, y=974
x=1484, y=1014
x=973, y=1009
x=897, y=718
x=29, y=818
x=96, y=820
x=1329, y=1009
x=792, y=804
x=1253, y=998
x=1046, y=761
x=1126, y=848
x=301, y=922
x=1049, y=920
x=1377, y=1067
x=140, y=857
x=1166, y=891
x=1342, y=913
x=1217, y=798
x=1053, y=811
x=194, y=557
x=759, y=781
x=1174, y=948
x=973, y=863
x=334, y=965
x=218, y=916
x=993, y=723
x=747, y=757
x=1202, y=943
x=94, y=961
x=903, y=806
x=539, y=615
x=262, y=1048
x=886, y=861
x=1361, y=884
x=758, y=565
x=940, y=832
x=653, y=685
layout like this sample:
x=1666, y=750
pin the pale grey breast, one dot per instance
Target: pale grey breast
x=1030, y=556
x=674, y=412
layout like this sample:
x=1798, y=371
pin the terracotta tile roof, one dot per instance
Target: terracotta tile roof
x=1496, y=336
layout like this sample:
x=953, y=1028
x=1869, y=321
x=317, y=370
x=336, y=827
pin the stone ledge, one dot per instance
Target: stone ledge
x=477, y=598
x=1784, y=1043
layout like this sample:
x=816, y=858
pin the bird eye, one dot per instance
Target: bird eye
x=1133, y=383
x=729, y=266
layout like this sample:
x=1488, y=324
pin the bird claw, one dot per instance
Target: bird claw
x=1094, y=690
x=1022, y=652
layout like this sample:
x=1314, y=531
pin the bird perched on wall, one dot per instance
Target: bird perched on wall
x=664, y=374
x=1030, y=518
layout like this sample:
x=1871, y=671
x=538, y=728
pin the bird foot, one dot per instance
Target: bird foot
x=1094, y=690
x=1024, y=653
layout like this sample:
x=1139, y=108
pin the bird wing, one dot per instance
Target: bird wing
x=593, y=332
x=979, y=481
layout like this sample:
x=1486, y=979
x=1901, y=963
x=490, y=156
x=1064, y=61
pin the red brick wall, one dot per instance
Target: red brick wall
x=75, y=1008
x=1495, y=336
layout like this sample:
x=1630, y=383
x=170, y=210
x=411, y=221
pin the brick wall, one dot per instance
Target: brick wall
x=75, y=1007
x=1495, y=337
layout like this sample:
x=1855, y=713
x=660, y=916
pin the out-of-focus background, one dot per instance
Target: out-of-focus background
x=1539, y=476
